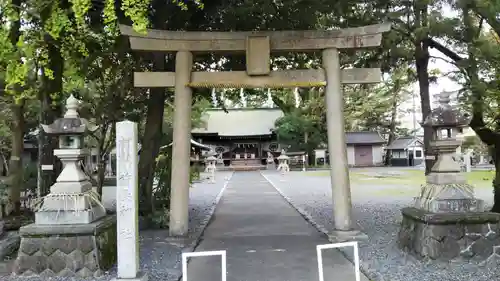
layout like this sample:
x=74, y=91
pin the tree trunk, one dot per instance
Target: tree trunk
x=105, y=145
x=151, y=141
x=5, y=165
x=15, y=163
x=101, y=169
x=496, y=180
x=392, y=126
x=422, y=65
x=486, y=134
x=50, y=86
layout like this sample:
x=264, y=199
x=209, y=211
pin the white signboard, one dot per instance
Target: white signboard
x=185, y=256
x=353, y=244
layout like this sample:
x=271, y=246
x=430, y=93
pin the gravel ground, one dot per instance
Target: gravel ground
x=160, y=256
x=377, y=210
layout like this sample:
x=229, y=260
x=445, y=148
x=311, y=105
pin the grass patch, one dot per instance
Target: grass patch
x=405, y=177
x=406, y=191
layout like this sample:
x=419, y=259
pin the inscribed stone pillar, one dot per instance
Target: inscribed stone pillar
x=339, y=173
x=179, y=194
x=127, y=202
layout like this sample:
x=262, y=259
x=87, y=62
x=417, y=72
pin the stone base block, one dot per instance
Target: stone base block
x=339, y=236
x=69, y=217
x=140, y=277
x=9, y=243
x=76, y=202
x=78, y=250
x=438, y=178
x=71, y=187
x=450, y=205
x=447, y=236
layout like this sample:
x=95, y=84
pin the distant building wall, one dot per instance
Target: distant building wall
x=378, y=155
x=351, y=161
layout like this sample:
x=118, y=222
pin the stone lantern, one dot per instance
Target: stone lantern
x=70, y=199
x=283, y=160
x=447, y=189
x=72, y=234
x=447, y=221
x=211, y=162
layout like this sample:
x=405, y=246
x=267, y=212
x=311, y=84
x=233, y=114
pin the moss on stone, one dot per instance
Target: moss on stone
x=106, y=243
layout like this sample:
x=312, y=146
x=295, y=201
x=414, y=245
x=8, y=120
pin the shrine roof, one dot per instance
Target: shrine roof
x=364, y=138
x=403, y=142
x=239, y=121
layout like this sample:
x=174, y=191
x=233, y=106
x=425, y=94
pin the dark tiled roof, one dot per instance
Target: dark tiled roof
x=401, y=143
x=364, y=138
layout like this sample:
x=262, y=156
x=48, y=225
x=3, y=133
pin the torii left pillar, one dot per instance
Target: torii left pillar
x=179, y=189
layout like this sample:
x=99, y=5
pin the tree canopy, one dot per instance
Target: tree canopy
x=49, y=49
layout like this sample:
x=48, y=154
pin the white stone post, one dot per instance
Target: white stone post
x=181, y=147
x=127, y=202
x=339, y=173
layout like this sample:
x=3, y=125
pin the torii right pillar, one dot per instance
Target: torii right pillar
x=339, y=169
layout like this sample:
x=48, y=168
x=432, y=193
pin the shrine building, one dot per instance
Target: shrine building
x=240, y=137
x=243, y=137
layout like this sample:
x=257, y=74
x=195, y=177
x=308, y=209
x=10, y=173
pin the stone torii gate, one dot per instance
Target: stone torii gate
x=258, y=47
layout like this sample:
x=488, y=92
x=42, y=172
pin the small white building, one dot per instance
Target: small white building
x=406, y=151
x=364, y=149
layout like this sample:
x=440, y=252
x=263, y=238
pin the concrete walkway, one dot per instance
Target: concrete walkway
x=265, y=239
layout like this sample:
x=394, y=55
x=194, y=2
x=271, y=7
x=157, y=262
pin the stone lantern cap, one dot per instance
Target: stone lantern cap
x=211, y=158
x=446, y=115
x=283, y=157
x=71, y=123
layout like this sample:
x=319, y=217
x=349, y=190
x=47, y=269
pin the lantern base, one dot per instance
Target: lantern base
x=449, y=236
x=69, y=217
x=446, y=178
x=450, y=205
x=71, y=187
x=76, y=250
x=60, y=202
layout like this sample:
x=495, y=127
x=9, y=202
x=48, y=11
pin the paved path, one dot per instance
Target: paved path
x=265, y=239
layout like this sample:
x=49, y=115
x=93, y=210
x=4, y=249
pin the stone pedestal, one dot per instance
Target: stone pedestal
x=447, y=236
x=449, y=197
x=76, y=250
x=70, y=217
x=9, y=241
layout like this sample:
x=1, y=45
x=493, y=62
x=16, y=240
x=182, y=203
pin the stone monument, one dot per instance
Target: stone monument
x=71, y=236
x=283, y=163
x=447, y=221
x=127, y=197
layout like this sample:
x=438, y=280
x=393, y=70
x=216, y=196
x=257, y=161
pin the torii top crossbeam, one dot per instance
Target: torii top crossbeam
x=207, y=41
x=258, y=45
